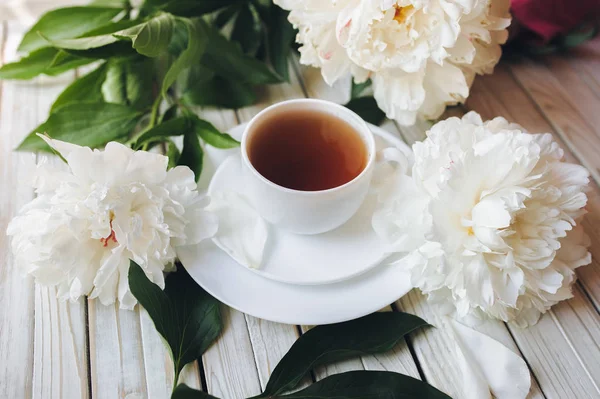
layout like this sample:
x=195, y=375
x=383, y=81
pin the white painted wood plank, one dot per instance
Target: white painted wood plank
x=16, y=292
x=229, y=365
x=51, y=345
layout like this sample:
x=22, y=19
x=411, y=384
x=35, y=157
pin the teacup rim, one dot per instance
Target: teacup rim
x=369, y=136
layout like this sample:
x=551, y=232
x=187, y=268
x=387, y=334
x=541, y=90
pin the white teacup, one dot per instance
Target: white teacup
x=308, y=212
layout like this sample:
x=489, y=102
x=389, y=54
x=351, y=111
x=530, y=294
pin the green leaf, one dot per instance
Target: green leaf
x=66, y=23
x=367, y=108
x=85, y=89
x=170, y=113
x=173, y=154
x=40, y=62
x=184, y=392
x=359, y=88
x=197, y=39
x=375, y=333
x=192, y=155
x=187, y=317
x=173, y=127
x=195, y=8
x=86, y=124
x=280, y=39
x=211, y=135
x=220, y=92
x=247, y=30
x=129, y=82
x=367, y=384
x=226, y=59
x=151, y=38
x=224, y=16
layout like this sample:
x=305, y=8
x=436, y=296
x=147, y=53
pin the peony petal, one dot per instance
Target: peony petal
x=242, y=232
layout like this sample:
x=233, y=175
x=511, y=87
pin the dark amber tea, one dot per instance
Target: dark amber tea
x=307, y=150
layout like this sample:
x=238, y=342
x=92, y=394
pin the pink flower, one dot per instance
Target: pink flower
x=551, y=18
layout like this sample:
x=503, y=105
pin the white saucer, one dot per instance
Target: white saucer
x=326, y=258
x=257, y=293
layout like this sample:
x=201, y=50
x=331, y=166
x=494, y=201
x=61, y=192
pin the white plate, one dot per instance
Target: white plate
x=252, y=293
x=325, y=258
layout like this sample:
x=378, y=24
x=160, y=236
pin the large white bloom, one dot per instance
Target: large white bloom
x=421, y=54
x=110, y=206
x=488, y=220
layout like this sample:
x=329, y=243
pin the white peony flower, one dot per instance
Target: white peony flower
x=111, y=206
x=421, y=54
x=488, y=223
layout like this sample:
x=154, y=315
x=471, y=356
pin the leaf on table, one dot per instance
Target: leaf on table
x=37, y=63
x=174, y=127
x=192, y=154
x=184, y=392
x=85, y=124
x=247, y=29
x=149, y=38
x=195, y=8
x=220, y=92
x=196, y=43
x=211, y=135
x=129, y=82
x=367, y=108
x=66, y=23
x=368, y=384
x=85, y=89
x=280, y=39
x=226, y=59
x=185, y=315
x=375, y=333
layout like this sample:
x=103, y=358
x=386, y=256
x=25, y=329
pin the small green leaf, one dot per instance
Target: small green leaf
x=226, y=59
x=375, y=333
x=86, y=124
x=367, y=384
x=280, y=39
x=359, y=88
x=197, y=39
x=173, y=127
x=184, y=392
x=192, y=154
x=211, y=135
x=367, y=108
x=173, y=154
x=195, y=8
x=129, y=82
x=85, y=89
x=187, y=317
x=66, y=23
x=247, y=30
x=220, y=92
x=151, y=38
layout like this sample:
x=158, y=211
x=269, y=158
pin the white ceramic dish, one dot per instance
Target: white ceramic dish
x=253, y=293
x=325, y=258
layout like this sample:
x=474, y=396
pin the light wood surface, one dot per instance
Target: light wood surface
x=54, y=349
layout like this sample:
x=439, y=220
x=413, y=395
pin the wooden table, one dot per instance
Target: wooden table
x=53, y=349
